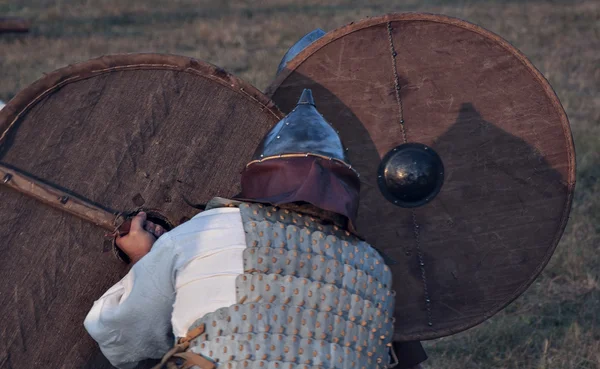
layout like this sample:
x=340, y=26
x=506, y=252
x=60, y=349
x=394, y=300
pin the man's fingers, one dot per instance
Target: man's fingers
x=155, y=229
x=159, y=231
x=137, y=223
x=119, y=241
x=149, y=226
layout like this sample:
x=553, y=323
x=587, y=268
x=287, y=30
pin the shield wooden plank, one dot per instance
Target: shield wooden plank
x=122, y=131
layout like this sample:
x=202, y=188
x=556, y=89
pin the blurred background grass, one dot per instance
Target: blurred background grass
x=555, y=323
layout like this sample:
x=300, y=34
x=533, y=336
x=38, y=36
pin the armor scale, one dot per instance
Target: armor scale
x=312, y=295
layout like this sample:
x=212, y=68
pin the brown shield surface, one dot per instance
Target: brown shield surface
x=122, y=131
x=503, y=138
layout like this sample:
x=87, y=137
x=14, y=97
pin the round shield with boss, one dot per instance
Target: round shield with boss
x=465, y=155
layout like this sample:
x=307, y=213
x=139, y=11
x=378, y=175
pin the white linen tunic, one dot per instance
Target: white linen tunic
x=189, y=272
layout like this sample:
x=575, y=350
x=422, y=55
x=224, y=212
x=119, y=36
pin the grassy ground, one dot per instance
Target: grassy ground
x=554, y=324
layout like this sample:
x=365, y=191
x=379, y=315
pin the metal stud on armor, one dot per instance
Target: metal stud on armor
x=311, y=295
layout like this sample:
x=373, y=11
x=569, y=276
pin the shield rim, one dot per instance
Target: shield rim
x=33, y=93
x=338, y=33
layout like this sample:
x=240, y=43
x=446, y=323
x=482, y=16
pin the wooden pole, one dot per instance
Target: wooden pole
x=59, y=199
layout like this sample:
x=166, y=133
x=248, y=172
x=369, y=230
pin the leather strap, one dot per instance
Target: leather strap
x=189, y=358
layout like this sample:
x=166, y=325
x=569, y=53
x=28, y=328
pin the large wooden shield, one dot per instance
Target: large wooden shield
x=500, y=132
x=123, y=131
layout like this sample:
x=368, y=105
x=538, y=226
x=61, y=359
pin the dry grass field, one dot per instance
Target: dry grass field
x=555, y=323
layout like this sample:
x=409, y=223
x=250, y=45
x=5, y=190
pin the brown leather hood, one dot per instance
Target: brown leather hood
x=326, y=184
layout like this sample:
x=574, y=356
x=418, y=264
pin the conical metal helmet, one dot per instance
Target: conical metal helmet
x=303, y=132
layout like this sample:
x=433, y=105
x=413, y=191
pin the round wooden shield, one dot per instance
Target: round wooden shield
x=125, y=131
x=502, y=136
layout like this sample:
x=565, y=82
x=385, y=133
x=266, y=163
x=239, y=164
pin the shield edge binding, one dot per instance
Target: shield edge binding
x=33, y=93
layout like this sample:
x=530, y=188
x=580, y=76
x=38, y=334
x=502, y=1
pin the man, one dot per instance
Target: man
x=276, y=278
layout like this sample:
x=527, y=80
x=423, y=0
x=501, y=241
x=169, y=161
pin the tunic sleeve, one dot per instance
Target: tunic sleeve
x=132, y=320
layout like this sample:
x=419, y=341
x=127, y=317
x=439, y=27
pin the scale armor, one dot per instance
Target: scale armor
x=312, y=295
